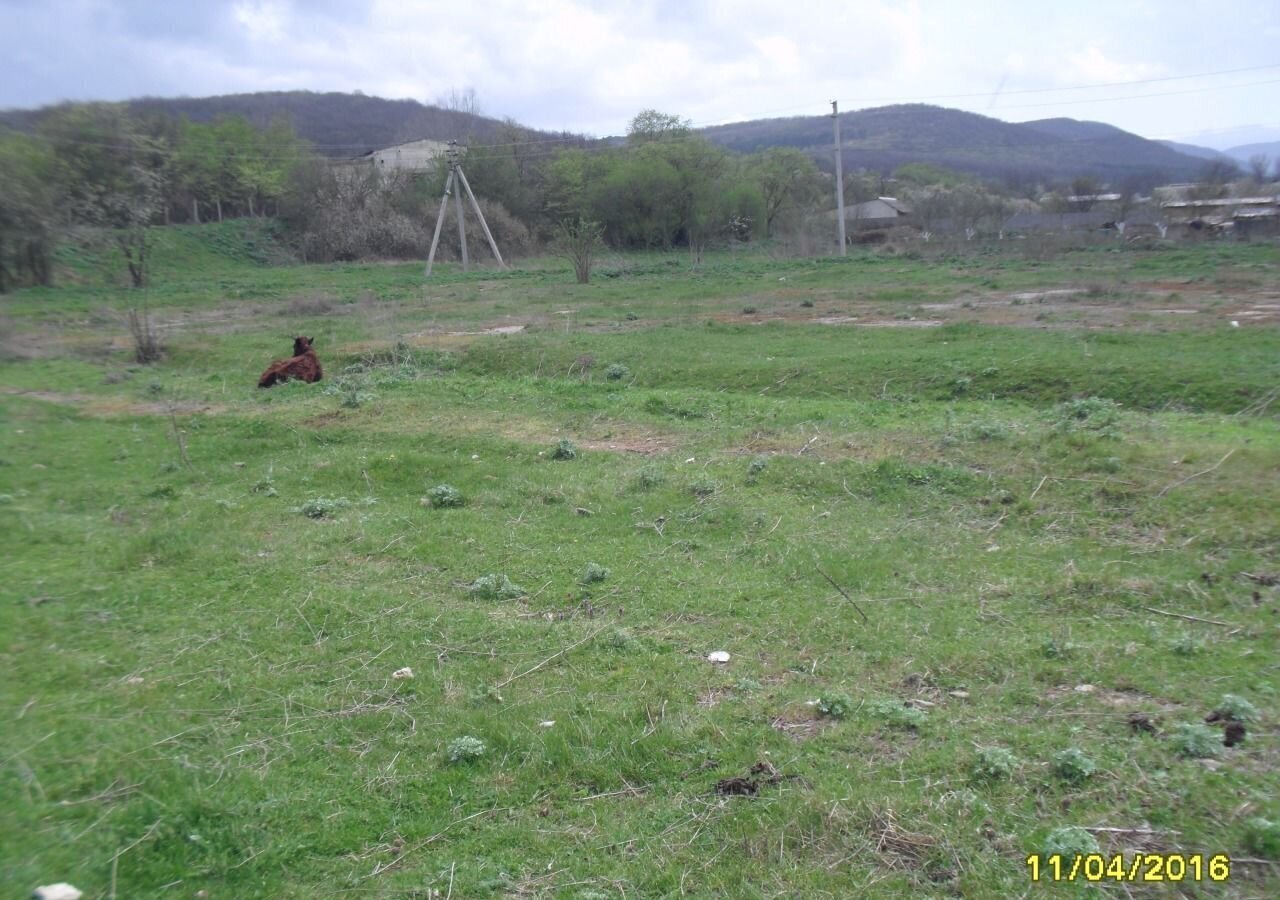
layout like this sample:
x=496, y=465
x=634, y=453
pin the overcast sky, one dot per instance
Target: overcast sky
x=590, y=66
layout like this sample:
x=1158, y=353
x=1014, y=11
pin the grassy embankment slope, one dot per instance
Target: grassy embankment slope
x=199, y=679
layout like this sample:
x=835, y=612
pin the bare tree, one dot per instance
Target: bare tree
x=579, y=241
x=1258, y=165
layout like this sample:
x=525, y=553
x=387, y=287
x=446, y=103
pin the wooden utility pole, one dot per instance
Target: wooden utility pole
x=457, y=183
x=835, y=116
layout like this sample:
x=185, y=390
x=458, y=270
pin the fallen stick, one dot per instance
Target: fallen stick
x=1175, y=615
x=1106, y=830
x=1170, y=487
x=844, y=594
x=553, y=656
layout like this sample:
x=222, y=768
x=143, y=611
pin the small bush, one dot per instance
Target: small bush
x=616, y=372
x=1186, y=644
x=565, y=450
x=835, y=706
x=1196, y=741
x=896, y=714
x=649, y=478
x=1096, y=415
x=495, y=586
x=1262, y=836
x=1072, y=765
x=1053, y=649
x=704, y=487
x=620, y=639
x=994, y=763
x=594, y=574
x=323, y=507
x=1238, y=709
x=756, y=467
x=1069, y=842
x=465, y=749
x=807, y=303
x=444, y=496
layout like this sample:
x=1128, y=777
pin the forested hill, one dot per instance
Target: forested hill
x=335, y=124
x=1050, y=149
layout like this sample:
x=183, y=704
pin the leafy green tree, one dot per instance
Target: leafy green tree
x=28, y=211
x=651, y=125
x=789, y=182
x=112, y=175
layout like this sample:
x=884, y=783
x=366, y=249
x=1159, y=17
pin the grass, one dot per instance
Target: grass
x=199, y=690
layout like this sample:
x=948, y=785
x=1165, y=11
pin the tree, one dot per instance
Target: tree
x=788, y=180
x=651, y=125
x=578, y=241
x=29, y=195
x=113, y=175
x=1258, y=165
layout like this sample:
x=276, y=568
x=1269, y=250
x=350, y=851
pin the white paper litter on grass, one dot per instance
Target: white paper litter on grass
x=402, y=674
x=59, y=891
x=718, y=656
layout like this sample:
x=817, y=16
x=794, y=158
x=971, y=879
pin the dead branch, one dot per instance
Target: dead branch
x=844, y=594
x=553, y=656
x=1174, y=615
x=1170, y=487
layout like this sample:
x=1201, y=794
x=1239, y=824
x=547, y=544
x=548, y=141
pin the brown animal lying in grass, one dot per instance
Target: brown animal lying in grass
x=303, y=365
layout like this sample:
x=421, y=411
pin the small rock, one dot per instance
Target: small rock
x=238, y=465
x=42, y=466
x=691, y=459
x=402, y=674
x=959, y=695
x=1085, y=689
x=1235, y=324
x=475, y=455
x=718, y=656
x=547, y=724
x=59, y=891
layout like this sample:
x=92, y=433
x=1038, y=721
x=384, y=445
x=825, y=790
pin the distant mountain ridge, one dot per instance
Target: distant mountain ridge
x=337, y=125
x=879, y=139
x=886, y=137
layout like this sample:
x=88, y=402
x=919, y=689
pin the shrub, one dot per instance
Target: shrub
x=1196, y=741
x=757, y=466
x=465, y=749
x=445, y=495
x=994, y=763
x=1092, y=414
x=1238, y=709
x=616, y=372
x=649, y=478
x=594, y=574
x=704, y=487
x=495, y=586
x=1072, y=765
x=897, y=715
x=835, y=706
x=1069, y=842
x=323, y=507
x=565, y=450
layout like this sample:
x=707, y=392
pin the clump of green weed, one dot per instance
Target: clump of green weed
x=897, y=715
x=987, y=431
x=1186, y=644
x=749, y=310
x=649, y=478
x=620, y=639
x=495, y=586
x=265, y=486
x=1073, y=765
x=746, y=685
x=756, y=467
x=1237, y=709
x=350, y=389
x=961, y=385
x=1196, y=741
x=1095, y=415
x=1054, y=649
x=807, y=303
x=465, y=749
x=993, y=764
x=565, y=450
x=835, y=706
x=1068, y=842
x=323, y=507
x=1262, y=836
x=593, y=574
x=616, y=372
x=704, y=487
x=631, y=317
x=445, y=495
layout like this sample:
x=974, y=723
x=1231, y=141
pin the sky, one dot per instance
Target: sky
x=1193, y=70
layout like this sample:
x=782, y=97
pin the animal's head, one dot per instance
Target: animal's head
x=302, y=344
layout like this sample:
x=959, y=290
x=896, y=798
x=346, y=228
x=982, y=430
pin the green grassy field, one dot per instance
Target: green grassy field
x=1050, y=500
